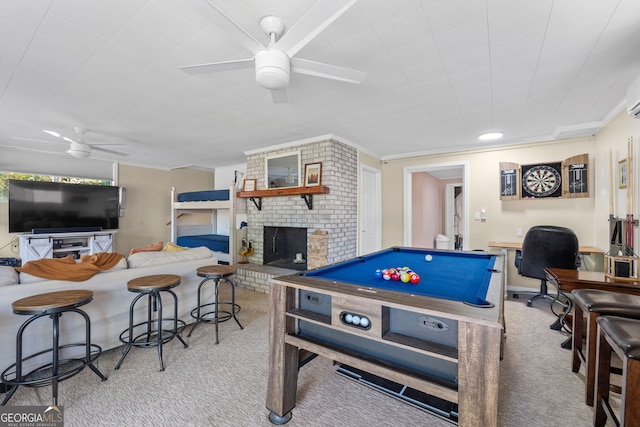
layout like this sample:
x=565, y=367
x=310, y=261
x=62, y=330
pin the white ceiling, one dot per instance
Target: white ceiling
x=439, y=74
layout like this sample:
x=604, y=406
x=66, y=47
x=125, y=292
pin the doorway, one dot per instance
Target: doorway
x=370, y=211
x=448, y=212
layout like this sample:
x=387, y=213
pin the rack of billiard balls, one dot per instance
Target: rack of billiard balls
x=402, y=274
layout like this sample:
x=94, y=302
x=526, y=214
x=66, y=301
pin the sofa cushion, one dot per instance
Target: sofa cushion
x=8, y=276
x=145, y=259
x=153, y=247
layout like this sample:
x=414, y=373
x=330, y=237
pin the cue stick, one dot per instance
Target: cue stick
x=611, y=211
x=630, y=221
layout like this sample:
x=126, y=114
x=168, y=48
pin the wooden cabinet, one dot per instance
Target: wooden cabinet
x=59, y=245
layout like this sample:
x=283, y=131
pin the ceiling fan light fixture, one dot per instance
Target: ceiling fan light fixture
x=490, y=136
x=79, y=150
x=272, y=69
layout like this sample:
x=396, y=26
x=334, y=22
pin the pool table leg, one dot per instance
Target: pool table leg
x=283, y=358
x=478, y=374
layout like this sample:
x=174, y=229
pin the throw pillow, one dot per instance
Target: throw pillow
x=172, y=247
x=153, y=247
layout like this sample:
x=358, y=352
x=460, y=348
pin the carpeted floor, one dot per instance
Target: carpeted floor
x=225, y=384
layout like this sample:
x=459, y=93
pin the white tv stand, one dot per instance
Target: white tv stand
x=59, y=245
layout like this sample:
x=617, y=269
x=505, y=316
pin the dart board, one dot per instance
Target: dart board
x=542, y=180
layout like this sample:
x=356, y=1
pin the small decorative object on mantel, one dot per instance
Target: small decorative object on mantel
x=566, y=179
x=249, y=185
x=312, y=174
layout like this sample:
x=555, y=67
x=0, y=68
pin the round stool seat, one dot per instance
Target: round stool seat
x=216, y=271
x=157, y=282
x=609, y=303
x=51, y=301
x=66, y=359
x=152, y=332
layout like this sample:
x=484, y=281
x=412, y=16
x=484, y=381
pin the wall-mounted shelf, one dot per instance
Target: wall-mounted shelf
x=304, y=192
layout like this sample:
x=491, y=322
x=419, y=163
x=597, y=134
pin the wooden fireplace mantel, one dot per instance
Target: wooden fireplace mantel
x=304, y=192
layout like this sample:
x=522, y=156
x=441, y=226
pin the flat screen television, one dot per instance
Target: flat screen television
x=36, y=205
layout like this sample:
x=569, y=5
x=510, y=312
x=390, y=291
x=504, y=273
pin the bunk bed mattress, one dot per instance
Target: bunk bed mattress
x=201, y=196
x=215, y=242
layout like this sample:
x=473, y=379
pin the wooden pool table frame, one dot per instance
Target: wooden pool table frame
x=479, y=340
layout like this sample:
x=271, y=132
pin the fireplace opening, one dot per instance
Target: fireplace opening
x=285, y=247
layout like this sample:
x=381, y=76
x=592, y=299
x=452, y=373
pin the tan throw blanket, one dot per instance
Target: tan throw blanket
x=68, y=269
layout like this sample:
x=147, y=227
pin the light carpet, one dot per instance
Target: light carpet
x=225, y=384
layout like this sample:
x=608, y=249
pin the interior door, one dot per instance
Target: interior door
x=370, y=211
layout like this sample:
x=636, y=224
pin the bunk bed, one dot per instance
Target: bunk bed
x=221, y=233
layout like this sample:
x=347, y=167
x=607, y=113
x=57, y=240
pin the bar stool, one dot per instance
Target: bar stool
x=622, y=336
x=53, y=305
x=216, y=273
x=152, y=287
x=596, y=303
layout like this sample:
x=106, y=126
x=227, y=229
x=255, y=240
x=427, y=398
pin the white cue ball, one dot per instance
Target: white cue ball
x=428, y=257
x=364, y=322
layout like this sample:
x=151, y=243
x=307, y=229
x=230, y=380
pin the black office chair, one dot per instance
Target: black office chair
x=547, y=246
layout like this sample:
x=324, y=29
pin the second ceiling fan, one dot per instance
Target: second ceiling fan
x=274, y=63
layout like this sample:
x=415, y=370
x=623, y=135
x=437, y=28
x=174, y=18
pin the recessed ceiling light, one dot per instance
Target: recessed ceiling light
x=490, y=136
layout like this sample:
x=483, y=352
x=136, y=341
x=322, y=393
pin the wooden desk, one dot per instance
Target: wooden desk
x=507, y=246
x=584, y=250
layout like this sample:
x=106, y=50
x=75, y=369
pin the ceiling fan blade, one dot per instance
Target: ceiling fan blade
x=104, y=150
x=279, y=96
x=217, y=66
x=34, y=150
x=319, y=17
x=224, y=22
x=36, y=140
x=327, y=71
x=109, y=144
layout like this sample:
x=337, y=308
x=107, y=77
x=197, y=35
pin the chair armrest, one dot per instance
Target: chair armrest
x=518, y=258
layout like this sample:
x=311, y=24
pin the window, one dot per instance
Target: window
x=6, y=176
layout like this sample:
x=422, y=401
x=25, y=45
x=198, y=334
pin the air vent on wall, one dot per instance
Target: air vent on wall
x=633, y=99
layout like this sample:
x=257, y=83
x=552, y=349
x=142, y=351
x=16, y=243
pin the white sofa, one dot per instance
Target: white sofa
x=109, y=310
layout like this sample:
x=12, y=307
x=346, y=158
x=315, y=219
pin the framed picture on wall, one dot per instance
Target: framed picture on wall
x=249, y=185
x=622, y=173
x=312, y=174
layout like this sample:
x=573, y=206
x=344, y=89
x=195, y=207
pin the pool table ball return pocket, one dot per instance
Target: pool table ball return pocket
x=441, y=337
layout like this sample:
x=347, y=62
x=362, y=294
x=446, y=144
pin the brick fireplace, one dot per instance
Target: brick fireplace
x=331, y=226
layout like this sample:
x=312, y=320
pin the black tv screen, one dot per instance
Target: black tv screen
x=63, y=207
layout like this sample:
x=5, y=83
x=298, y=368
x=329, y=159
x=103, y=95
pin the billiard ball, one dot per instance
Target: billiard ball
x=348, y=318
x=415, y=279
x=405, y=277
x=386, y=276
x=364, y=322
x=428, y=257
x=395, y=276
x=378, y=274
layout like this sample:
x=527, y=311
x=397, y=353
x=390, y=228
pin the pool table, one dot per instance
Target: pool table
x=441, y=336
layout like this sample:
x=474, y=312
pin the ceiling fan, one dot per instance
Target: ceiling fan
x=273, y=63
x=78, y=147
